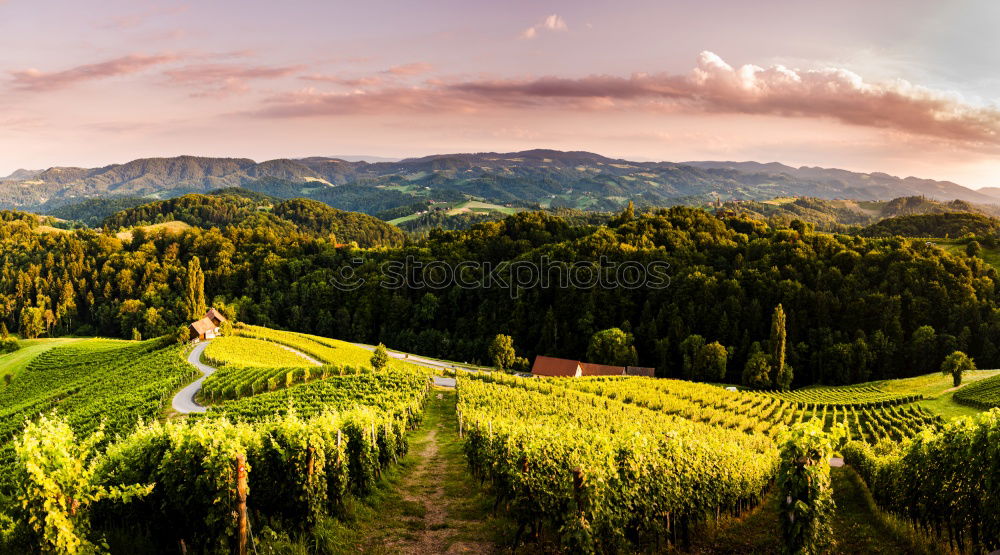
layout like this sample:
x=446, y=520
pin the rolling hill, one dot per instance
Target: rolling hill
x=535, y=178
x=235, y=207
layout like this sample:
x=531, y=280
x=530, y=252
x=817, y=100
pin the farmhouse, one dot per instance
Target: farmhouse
x=207, y=327
x=551, y=366
x=561, y=367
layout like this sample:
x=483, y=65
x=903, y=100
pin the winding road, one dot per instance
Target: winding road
x=184, y=402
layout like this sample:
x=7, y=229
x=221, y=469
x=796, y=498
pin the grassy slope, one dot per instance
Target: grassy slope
x=173, y=226
x=13, y=363
x=953, y=246
x=937, y=391
x=461, y=207
x=856, y=526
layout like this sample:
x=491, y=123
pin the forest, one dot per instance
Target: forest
x=856, y=308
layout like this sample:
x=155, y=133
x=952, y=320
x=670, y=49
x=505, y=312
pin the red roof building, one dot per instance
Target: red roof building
x=207, y=327
x=591, y=369
x=560, y=367
x=565, y=368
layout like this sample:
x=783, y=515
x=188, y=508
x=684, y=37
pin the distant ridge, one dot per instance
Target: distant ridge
x=530, y=178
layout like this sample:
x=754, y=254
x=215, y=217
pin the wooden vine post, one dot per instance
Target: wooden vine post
x=241, y=495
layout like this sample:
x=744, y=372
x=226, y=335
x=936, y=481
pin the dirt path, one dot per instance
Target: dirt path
x=433, y=504
x=302, y=355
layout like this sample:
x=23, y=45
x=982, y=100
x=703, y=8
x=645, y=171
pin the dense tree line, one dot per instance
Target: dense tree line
x=957, y=224
x=93, y=212
x=854, y=309
x=233, y=207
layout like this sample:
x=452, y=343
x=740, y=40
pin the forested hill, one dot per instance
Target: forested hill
x=857, y=308
x=952, y=225
x=849, y=215
x=543, y=178
x=236, y=207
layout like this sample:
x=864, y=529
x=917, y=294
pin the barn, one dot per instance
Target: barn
x=551, y=366
x=561, y=367
x=207, y=327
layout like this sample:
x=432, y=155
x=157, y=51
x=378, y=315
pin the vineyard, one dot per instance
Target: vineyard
x=323, y=349
x=600, y=464
x=604, y=475
x=866, y=396
x=877, y=415
x=90, y=382
x=298, y=445
x=943, y=483
x=243, y=351
x=984, y=394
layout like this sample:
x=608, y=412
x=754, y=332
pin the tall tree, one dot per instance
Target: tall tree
x=195, y=290
x=778, y=340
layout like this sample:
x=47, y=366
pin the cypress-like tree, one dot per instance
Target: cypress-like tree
x=195, y=291
x=778, y=340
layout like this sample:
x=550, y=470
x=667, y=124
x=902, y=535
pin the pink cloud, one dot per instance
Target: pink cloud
x=551, y=23
x=218, y=80
x=37, y=81
x=415, y=68
x=370, y=81
x=129, y=21
x=713, y=86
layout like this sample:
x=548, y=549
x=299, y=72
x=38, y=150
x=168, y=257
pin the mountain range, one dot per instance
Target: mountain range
x=531, y=179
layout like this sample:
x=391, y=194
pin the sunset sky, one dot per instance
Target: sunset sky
x=905, y=87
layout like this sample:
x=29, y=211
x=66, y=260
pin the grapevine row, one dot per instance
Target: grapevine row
x=601, y=474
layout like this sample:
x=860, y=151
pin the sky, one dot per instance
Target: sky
x=904, y=87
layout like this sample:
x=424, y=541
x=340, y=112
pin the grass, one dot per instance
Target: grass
x=858, y=526
x=173, y=226
x=957, y=248
x=14, y=363
x=453, y=208
x=778, y=201
x=935, y=389
x=428, y=503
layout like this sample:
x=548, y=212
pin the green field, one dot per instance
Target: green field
x=13, y=363
x=937, y=391
x=954, y=246
x=453, y=208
